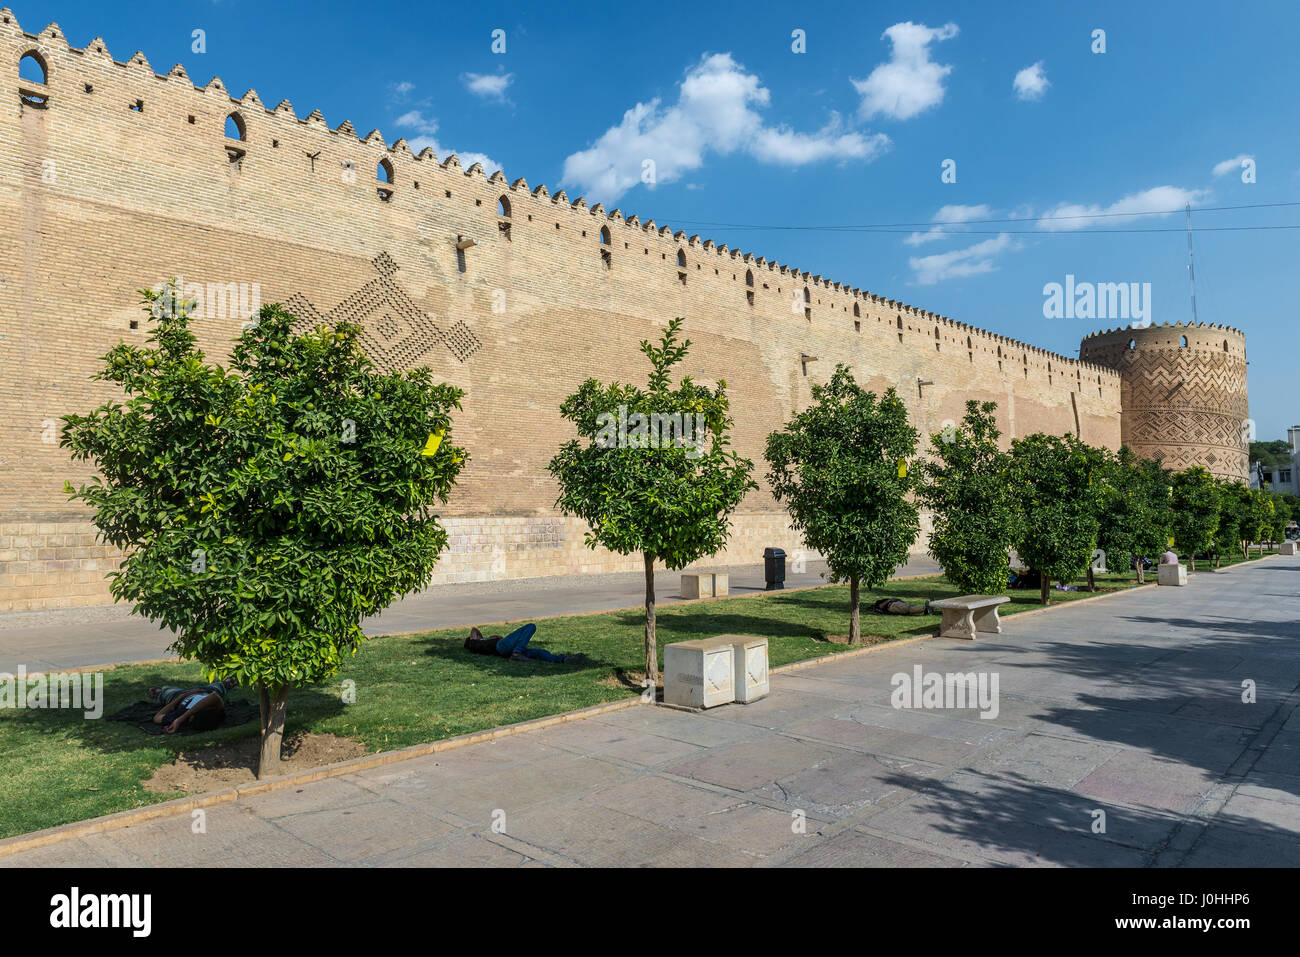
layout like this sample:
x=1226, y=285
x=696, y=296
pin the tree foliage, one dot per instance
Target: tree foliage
x=973, y=503
x=1055, y=478
x=1195, y=505
x=266, y=507
x=841, y=467
x=1133, y=507
x=657, y=474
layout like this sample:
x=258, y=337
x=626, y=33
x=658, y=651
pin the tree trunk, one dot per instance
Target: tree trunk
x=855, y=615
x=651, y=651
x=1092, y=585
x=272, y=710
x=1140, y=570
x=1044, y=585
x=1191, y=560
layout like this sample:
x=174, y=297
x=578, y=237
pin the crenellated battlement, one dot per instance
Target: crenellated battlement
x=69, y=69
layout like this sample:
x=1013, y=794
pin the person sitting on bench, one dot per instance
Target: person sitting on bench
x=202, y=708
x=515, y=646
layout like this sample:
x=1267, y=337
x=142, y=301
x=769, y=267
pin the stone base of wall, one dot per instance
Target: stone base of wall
x=53, y=563
x=488, y=549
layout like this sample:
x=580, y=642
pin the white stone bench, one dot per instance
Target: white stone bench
x=964, y=616
x=700, y=674
x=704, y=584
x=1171, y=574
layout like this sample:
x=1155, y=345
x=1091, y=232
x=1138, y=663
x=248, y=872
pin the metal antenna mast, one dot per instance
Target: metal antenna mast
x=1191, y=268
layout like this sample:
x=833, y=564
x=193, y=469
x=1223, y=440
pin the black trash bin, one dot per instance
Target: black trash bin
x=774, y=568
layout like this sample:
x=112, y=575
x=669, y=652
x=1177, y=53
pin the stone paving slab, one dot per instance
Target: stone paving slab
x=1128, y=706
x=861, y=848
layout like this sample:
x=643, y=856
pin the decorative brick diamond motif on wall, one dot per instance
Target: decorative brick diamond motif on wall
x=396, y=332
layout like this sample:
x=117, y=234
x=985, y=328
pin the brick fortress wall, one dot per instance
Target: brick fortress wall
x=122, y=178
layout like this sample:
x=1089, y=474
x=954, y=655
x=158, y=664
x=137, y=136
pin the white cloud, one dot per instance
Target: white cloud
x=417, y=121
x=960, y=263
x=1232, y=165
x=1031, y=82
x=785, y=146
x=717, y=111
x=910, y=82
x=426, y=128
x=490, y=86
x=1150, y=202
x=948, y=214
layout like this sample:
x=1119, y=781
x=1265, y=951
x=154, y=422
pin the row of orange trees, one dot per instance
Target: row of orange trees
x=266, y=508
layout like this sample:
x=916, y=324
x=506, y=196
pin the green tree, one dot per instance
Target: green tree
x=658, y=475
x=1117, y=501
x=265, y=508
x=1279, y=518
x=1195, y=506
x=1254, y=515
x=841, y=468
x=975, y=511
x=1272, y=455
x=1235, y=530
x=1054, y=477
x=1152, y=516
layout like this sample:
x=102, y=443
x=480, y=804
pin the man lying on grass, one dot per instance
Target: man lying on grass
x=515, y=646
x=202, y=708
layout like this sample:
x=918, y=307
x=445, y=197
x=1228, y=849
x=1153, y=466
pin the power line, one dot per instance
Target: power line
x=1047, y=219
x=1027, y=232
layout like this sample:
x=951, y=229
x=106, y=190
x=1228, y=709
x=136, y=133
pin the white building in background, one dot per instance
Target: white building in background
x=1286, y=477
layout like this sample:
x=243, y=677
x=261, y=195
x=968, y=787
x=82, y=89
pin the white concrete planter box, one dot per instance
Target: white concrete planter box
x=704, y=584
x=700, y=674
x=750, y=655
x=1171, y=574
x=1289, y=548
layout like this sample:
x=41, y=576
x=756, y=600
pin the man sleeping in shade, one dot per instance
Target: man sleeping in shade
x=202, y=708
x=515, y=646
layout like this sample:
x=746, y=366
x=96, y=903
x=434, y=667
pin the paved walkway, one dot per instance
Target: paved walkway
x=1129, y=706
x=84, y=637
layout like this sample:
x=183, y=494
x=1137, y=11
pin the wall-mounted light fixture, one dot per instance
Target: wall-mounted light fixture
x=920, y=386
x=804, y=359
x=464, y=242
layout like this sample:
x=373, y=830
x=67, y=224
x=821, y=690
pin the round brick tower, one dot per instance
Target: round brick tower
x=1182, y=393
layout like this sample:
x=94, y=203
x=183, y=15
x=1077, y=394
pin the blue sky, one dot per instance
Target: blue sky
x=854, y=131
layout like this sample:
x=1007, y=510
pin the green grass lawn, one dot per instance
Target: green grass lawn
x=421, y=687
x=1226, y=561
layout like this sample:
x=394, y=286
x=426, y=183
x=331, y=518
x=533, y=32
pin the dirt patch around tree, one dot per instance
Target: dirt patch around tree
x=211, y=769
x=844, y=640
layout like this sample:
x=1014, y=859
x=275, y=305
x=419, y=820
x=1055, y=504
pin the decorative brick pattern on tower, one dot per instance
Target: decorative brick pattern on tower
x=114, y=178
x=1184, y=393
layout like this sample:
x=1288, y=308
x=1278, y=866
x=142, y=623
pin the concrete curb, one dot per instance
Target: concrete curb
x=76, y=829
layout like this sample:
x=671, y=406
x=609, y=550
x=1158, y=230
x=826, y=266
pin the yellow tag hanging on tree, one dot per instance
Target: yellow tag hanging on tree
x=435, y=440
x=1171, y=541
x=902, y=468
